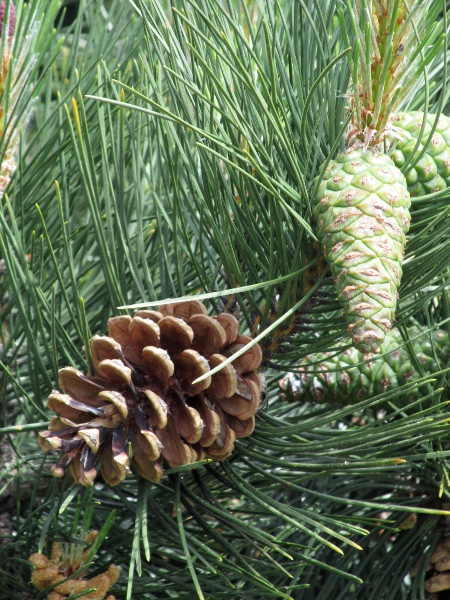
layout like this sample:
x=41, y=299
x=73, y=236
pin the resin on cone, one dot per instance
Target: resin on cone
x=140, y=408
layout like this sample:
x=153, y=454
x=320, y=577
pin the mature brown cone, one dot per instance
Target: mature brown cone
x=438, y=570
x=65, y=562
x=141, y=408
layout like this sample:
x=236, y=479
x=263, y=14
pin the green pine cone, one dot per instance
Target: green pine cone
x=362, y=214
x=343, y=378
x=432, y=172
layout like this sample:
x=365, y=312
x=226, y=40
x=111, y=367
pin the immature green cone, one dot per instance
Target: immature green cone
x=361, y=212
x=362, y=206
x=432, y=171
x=346, y=379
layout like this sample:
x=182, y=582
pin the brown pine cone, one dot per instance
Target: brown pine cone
x=141, y=408
x=438, y=569
x=66, y=560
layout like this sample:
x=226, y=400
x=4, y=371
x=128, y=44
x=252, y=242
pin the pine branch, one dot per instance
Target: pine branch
x=194, y=174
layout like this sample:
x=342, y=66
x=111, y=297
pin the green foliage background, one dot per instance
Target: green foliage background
x=173, y=151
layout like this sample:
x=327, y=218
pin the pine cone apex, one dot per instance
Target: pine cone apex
x=141, y=409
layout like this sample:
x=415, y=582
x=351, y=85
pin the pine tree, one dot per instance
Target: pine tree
x=187, y=140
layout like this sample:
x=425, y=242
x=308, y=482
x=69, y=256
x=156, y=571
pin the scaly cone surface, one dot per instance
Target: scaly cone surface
x=361, y=207
x=362, y=217
x=64, y=562
x=438, y=568
x=345, y=378
x=140, y=408
x=431, y=173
